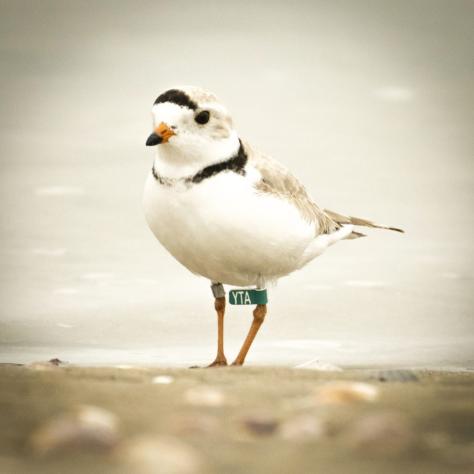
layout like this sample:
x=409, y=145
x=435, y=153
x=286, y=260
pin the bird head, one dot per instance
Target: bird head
x=190, y=124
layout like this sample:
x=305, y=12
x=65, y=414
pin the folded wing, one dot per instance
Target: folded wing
x=277, y=180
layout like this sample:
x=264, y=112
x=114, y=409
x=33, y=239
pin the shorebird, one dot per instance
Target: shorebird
x=227, y=212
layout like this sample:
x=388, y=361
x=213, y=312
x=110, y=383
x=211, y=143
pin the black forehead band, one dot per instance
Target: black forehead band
x=176, y=97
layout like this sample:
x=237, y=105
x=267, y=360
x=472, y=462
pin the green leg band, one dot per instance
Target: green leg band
x=257, y=296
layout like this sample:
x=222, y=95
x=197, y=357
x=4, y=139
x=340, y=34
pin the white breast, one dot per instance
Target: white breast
x=226, y=231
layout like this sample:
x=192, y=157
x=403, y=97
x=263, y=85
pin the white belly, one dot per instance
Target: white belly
x=226, y=231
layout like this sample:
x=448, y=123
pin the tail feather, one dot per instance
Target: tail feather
x=340, y=219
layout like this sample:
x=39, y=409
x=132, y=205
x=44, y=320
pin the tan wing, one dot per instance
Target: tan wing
x=277, y=180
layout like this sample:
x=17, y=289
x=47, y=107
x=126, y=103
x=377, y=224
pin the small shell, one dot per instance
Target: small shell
x=86, y=427
x=162, y=379
x=47, y=365
x=315, y=364
x=347, y=392
x=204, y=396
x=152, y=455
x=302, y=428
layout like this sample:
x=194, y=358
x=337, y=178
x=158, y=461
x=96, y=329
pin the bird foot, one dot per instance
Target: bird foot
x=218, y=363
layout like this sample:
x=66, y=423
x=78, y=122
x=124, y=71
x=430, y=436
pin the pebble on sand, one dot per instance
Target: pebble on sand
x=382, y=433
x=151, y=455
x=347, y=392
x=260, y=425
x=86, y=427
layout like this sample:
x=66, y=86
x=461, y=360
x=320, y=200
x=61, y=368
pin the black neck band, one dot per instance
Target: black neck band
x=235, y=163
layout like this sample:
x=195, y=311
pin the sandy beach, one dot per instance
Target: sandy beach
x=235, y=420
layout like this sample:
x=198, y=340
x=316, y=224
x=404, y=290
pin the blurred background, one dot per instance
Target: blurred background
x=368, y=102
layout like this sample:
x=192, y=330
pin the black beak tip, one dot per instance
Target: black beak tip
x=153, y=139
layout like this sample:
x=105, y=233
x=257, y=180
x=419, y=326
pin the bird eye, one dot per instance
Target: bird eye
x=202, y=117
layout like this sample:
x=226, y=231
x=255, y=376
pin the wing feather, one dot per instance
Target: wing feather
x=358, y=221
x=277, y=180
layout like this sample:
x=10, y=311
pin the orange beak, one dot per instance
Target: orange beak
x=164, y=132
x=161, y=134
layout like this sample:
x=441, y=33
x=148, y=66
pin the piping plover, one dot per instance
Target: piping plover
x=226, y=211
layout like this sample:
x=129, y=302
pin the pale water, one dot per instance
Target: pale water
x=369, y=103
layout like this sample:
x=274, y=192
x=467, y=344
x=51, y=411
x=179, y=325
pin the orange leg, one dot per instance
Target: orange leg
x=220, y=360
x=258, y=316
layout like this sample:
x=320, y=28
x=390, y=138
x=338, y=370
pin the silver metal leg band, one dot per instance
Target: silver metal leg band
x=218, y=290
